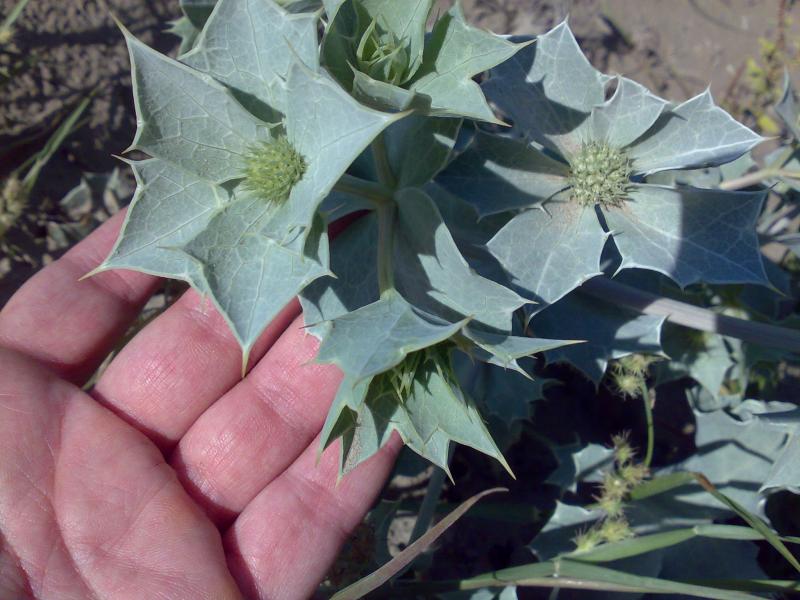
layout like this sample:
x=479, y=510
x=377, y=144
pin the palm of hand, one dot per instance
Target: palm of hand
x=172, y=477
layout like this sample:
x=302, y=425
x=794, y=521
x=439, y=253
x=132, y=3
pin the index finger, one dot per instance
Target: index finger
x=71, y=325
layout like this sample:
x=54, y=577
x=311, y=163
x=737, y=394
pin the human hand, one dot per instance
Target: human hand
x=173, y=477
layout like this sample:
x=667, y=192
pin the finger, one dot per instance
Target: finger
x=88, y=507
x=287, y=538
x=71, y=325
x=177, y=366
x=259, y=428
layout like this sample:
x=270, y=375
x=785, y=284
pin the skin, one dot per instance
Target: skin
x=173, y=477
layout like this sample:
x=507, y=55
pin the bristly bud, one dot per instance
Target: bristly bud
x=633, y=474
x=614, y=487
x=627, y=384
x=587, y=540
x=623, y=452
x=600, y=175
x=615, y=530
x=273, y=168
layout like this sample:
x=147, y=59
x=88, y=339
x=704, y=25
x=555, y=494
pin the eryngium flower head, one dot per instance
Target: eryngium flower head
x=273, y=168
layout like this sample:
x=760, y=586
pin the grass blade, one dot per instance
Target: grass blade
x=751, y=519
x=374, y=580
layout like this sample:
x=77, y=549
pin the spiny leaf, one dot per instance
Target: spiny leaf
x=548, y=252
x=330, y=129
x=694, y=134
x=188, y=119
x=610, y=332
x=689, y=234
x=454, y=54
x=431, y=273
x=548, y=90
x=496, y=174
x=249, y=45
x=170, y=207
x=378, y=336
x=249, y=274
x=434, y=413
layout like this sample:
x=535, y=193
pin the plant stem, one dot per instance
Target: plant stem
x=694, y=317
x=648, y=415
x=757, y=177
x=386, y=214
x=369, y=190
x=382, y=166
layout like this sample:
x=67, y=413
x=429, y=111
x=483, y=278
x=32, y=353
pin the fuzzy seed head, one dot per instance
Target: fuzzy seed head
x=633, y=474
x=636, y=364
x=587, y=540
x=623, y=452
x=600, y=175
x=273, y=168
x=615, y=530
x=627, y=384
x=614, y=487
x=613, y=507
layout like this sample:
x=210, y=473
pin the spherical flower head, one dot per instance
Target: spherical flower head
x=599, y=174
x=273, y=168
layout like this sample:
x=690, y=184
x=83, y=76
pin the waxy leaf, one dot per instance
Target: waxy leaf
x=418, y=147
x=690, y=234
x=434, y=414
x=505, y=350
x=330, y=129
x=249, y=275
x=437, y=82
x=188, y=119
x=629, y=113
x=496, y=174
x=356, y=283
x=249, y=45
x=378, y=336
x=550, y=251
x=454, y=54
x=694, y=134
x=431, y=273
x=548, y=90
x=170, y=207
x=610, y=332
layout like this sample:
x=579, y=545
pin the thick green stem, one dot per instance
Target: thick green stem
x=382, y=166
x=694, y=317
x=648, y=414
x=386, y=214
x=376, y=193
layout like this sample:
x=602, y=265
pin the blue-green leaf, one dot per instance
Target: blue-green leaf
x=548, y=90
x=249, y=275
x=249, y=45
x=550, y=251
x=694, y=134
x=610, y=332
x=378, y=336
x=432, y=274
x=187, y=118
x=496, y=174
x=454, y=54
x=170, y=207
x=690, y=234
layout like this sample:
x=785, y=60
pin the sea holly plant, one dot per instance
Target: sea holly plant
x=246, y=136
x=262, y=133
x=574, y=173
